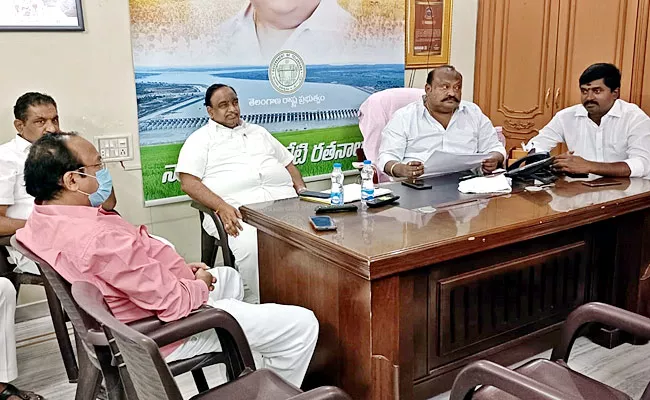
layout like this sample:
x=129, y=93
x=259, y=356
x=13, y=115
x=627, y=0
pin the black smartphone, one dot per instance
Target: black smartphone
x=416, y=184
x=311, y=193
x=322, y=223
x=335, y=208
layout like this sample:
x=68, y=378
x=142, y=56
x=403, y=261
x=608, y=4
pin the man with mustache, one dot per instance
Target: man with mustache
x=440, y=121
x=605, y=135
x=228, y=163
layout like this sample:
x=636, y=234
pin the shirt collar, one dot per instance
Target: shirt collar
x=317, y=19
x=615, y=111
x=22, y=144
x=243, y=125
x=69, y=211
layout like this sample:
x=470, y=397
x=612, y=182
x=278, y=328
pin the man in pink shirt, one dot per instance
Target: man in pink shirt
x=140, y=276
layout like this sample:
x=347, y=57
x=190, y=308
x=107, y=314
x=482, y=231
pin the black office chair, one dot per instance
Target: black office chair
x=210, y=244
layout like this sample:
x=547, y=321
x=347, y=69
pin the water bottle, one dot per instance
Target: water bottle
x=367, y=186
x=336, y=194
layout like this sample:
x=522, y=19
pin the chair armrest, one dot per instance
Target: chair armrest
x=201, y=207
x=322, y=393
x=488, y=373
x=5, y=240
x=212, y=318
x=606, y=314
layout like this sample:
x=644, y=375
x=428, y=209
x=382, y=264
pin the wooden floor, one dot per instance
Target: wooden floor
x=626, y=368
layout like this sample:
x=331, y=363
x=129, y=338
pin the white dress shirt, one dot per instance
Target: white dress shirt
x=622, y=136
x=243, y=165
x=13, y=155
x=413, y=134
x=318, y=39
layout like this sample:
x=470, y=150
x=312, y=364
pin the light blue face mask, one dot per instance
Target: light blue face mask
x=104, y=190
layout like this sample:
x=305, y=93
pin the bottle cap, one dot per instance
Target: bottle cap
x=337, y=165
x=367, y=162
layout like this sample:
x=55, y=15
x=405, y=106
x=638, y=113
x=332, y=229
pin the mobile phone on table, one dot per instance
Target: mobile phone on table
x=322, y=223
x=417, y=184
x=601, y=182
x=311, y=193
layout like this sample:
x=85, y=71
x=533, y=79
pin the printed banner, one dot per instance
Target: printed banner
x=301, y=69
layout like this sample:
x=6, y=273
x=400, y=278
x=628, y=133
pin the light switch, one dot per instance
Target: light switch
x=114, y=147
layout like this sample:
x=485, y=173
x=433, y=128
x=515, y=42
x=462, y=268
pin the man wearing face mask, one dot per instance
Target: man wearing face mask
x=440, y=121
x=139, y=276
x=35, y=115
x=605, y=135
x=228, y=163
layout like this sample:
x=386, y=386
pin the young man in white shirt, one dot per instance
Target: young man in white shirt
x=440, y=121
x=315, y=29
x=605, y=135
x=229, y=163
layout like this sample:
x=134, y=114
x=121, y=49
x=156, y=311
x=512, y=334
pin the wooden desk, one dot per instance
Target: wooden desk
x=405, y=299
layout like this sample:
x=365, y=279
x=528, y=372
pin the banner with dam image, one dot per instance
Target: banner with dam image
x=301, y=69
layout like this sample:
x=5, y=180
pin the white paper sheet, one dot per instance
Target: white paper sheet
x=441, y=163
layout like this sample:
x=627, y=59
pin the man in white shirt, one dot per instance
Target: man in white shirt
x=35, y=114
x=229, y=163
x=315, y=29
x=440, y=121
x=605, y=135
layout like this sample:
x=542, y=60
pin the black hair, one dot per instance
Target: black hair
x=213, y=88
x=432, y=73
x=30, y=99
x=48, y=160
x=608, y=72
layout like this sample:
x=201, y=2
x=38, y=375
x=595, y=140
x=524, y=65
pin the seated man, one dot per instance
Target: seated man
x=228, y=163
x=140, y=276
x=605, y=135
x=36, y=114
x=440, y=121
x=8, y=364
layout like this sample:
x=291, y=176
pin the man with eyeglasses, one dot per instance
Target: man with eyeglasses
x=35, y=115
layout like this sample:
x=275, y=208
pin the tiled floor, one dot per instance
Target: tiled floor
x=626, y=368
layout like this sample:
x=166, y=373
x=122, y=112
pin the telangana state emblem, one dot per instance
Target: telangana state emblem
x=287, y=72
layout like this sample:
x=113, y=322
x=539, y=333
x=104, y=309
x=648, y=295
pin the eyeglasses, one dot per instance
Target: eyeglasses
x=100, y=165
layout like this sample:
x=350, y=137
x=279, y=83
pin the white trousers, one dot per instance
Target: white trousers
x=8, y=363
x=244, y=248
x=282, y=338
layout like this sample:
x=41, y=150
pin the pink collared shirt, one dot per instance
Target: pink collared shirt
x=138, y=276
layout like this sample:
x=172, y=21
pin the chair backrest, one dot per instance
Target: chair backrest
x=375, y=113
x=86, y=327
x=208, y=247
x=148, y=372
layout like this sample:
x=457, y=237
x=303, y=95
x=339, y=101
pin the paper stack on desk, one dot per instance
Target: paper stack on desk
x=351, y=193
x=486, y=184
x=442, y=163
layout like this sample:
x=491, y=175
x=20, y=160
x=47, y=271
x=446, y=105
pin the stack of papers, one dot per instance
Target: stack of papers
x=486, y=184
x=442, y=163
x=351, y=193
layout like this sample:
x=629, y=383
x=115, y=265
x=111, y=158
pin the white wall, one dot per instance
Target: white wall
x=90, y=74
x=463, y=47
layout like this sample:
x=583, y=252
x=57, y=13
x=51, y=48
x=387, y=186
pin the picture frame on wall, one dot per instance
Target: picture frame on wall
x=41, y=15
x=428, y=32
